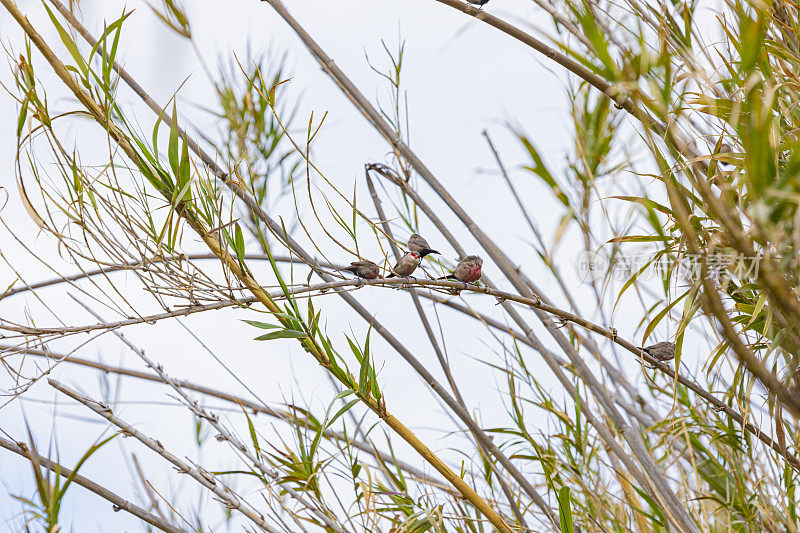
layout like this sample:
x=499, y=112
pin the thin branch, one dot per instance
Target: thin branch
x=132, y=265
x=119, y=504
x=223, y=433
x=206, y=479
x=406, y=284
x=255, y=407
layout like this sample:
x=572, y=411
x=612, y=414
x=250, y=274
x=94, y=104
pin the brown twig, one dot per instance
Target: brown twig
x=408, y=284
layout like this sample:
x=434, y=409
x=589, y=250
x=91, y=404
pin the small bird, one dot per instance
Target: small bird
x=467, y=270
x=723, y=165
x=416, y=243
x=364, y=269
x=663, y=351
x=407, y=265
x=478, y=2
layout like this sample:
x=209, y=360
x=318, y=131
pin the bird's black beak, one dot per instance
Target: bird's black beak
x=426, y=251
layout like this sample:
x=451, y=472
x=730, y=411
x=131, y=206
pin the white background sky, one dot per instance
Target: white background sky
x=460, y=76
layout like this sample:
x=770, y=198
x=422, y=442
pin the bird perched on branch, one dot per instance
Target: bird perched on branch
x=407, y=265
x=663, y=351
x=416, y=243
x=467, y=270
x=478, y=2
x=364, y=269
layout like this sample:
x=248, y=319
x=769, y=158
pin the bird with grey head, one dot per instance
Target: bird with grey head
x=417, y=243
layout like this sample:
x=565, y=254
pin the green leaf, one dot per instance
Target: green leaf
x=80, y=463
x=651, y=326
x=346, y=407
x=364, y=375
x=565, y=511
x=599, y=41
x=253, y=435
x=634, y=277
x=540, y=169
x=23, y=113
x=239, y=242
x=172, y=151
x=184, y=173
x=636, y=238
x=283, y=334
x=70, y=44
x=648, y=203
x=262, y=325
x=111, y=27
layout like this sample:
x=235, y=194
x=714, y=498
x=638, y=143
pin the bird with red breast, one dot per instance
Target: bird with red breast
x=468, y=270
x=406, y=265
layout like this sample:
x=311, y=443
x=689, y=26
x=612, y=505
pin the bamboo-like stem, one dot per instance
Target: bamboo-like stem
x=233, y=267
x=120, y=504
x=206, y=479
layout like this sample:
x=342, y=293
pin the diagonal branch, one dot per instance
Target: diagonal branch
x=206, y=479
x=120, y=504
x=255, y=407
